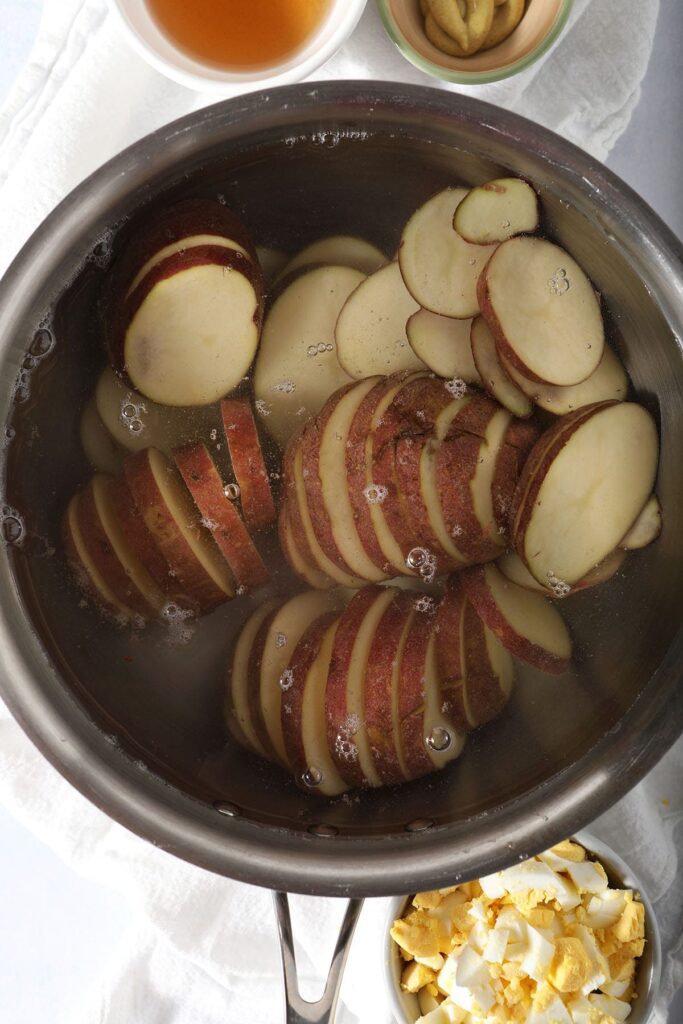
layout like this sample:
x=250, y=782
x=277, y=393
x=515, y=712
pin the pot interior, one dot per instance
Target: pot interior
x=158, y=693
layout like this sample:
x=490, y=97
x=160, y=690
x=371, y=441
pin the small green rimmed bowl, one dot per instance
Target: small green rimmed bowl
x=539, y=28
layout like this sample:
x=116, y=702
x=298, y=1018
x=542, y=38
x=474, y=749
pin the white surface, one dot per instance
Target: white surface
x=62, y=932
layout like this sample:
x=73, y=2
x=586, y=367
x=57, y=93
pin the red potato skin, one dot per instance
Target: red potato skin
x=384, y=474
x=139, y=537
x=246, y=455
x=417, y=405
x=538, y=462
x=474, y=417
x=311, y=439
x=254, y=682
x=165, y=227
x=378, y=687
x=519, y=439
x=484, y=697
x=356, y=473
x=310, y=574
x=407, y=458
x=342, y=746
x=412, y=696
x=105, y=559
x=481, y=599
x=456, y=464
x=121, y=316
x=220, y=515
x=193, y=580
x=450, y=655
x=303, y=656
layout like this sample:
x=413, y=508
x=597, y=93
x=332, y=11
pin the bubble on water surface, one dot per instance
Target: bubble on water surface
x=559, y=587
x=559, y=283
x=280, y=640
x=312, y=777
x=13, y=529
x=439, y=739
x=456, y=388
x=284, y=387
x=424, y=603
x=42, y=343
x=375, y=494
x=286, y=680
x=232, y=491
x=417, y=557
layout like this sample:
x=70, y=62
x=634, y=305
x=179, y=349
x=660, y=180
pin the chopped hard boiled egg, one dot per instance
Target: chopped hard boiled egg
x=544, y=942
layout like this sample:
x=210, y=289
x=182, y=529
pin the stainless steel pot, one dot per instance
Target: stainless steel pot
x=134, y=723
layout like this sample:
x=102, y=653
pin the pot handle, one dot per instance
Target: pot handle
x=301, y=1011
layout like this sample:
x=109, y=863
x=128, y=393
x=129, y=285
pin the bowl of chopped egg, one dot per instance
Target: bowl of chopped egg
x=566, y=937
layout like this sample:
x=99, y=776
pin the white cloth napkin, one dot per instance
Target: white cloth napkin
x=204, y=948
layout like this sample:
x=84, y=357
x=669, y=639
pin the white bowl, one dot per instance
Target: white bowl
x=147, y=38
x=405, y=1008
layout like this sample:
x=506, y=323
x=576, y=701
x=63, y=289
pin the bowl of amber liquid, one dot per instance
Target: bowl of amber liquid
x=226, y=48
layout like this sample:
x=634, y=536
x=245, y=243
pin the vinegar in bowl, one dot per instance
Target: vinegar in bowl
x=239, y=33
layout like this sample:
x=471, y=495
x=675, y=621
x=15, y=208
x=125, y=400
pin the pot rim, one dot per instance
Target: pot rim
x=226, y=843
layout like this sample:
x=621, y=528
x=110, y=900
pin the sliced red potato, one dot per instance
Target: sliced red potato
x=297, y=368
x=304, y=527
x=415, y=469
x=281, y=635
x=543, y=311
x=304, y=727
x=181, y=246
x=373, y=530
x=381, y=686
x=85, y=570
x=519, y=439
x=609, y=382
x=488, y=669
x=248, y=464
x=347, y=734
x=338, y=251
x=439, y=267
x=329, y=468
x=109, y=553
x=239, y=683
x=296, y=559
x=586, y=491
x=254, y=688
x=101, y=450
x=371, y=330
x=443, y=345
x=514, y=569
x=646, y=528
x=496, y=211
x=136, y=422
x=527, y=625
x=140, y=539
x=492, y=373
x=189, y=331
x=171, y=518
x=219, y=515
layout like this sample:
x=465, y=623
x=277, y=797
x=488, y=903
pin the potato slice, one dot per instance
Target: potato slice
x=371, y=329
x=542, y=311
x=493, y=376
x=338, y=251
x=180, y=246
x=347, y=735
x=488, y=669
x=587, y=491
x=282, y=634
x=136, y=422
x=86, y=572
x=381, y=687
x=101, y=450
x=303, y=711
x=220, y=516
x=248, y=463
x=297, y=368
x=514, y=569
x=646, y=528
x=443, y=345
x=527, y=625
x=496, y=211
x=191, y=328
x=109, y=553
x=299, y=563
x=171, y=518
x=609, y=382
x=439, y=267
x=239, y=684
x=333, y=435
